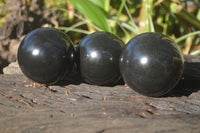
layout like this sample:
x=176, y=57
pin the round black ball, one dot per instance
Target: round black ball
x=151, y=64
x=46, y=55
x=98, y=58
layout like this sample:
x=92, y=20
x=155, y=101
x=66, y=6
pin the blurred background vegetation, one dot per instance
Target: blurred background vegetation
x=2, y=12
x=179, y=19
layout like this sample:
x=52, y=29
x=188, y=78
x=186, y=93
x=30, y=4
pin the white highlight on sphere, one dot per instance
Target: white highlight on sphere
x=143, y=60
x=35, y=52
x=93, y=54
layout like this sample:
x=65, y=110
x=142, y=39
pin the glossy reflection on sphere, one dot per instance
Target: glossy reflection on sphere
x=99, y=58
x=151, y=64
x=46, y=55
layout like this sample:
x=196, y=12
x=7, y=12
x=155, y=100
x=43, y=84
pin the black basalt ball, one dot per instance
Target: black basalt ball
x=98, y=57
x=151, y=64
x=46, y=55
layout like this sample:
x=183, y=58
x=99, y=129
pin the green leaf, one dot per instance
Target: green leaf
x=95, y=14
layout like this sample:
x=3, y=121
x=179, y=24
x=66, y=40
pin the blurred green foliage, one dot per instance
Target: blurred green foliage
x=127, y=18
x=179, y=19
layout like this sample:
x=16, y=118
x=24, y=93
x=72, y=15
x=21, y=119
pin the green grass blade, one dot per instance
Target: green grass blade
x=127, y=34
x=78, y=24
x=130, y=28
x=125, y=30
x=67, y=29
x=150, y=22
x=93, y=12
x=118, y=14
x=186, y=36
x=148, y=18
x=197, y=52
x=135, y=28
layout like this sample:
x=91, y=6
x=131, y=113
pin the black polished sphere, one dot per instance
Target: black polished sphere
x=46, y=55
x=151, y=64
x=99, y=58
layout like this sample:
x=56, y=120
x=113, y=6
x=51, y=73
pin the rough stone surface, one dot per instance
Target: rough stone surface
x=12, y=68
x=79, y=107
